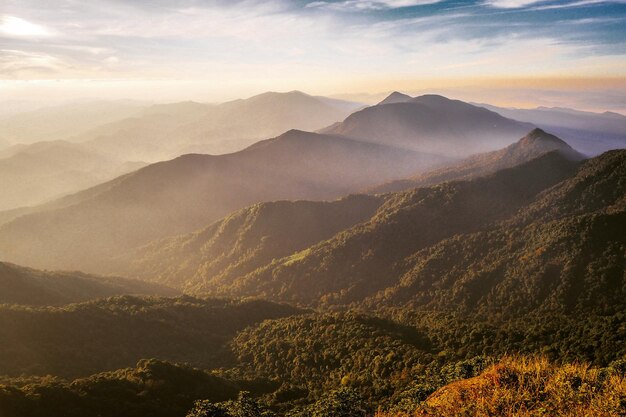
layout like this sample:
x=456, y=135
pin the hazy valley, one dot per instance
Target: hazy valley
x=292, y=255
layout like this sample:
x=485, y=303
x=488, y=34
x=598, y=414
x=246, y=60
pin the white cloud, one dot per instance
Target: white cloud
x=15, y=26
x=580, y=3
x=15, y=63
x=355, y=5
x=516, y=4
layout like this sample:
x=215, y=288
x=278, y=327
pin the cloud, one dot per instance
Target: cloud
x=250, y=42
x=16, y=27
x=517, y=4
x=580, y=3
x=15, y=63
x=356, y=5
x=511, y=4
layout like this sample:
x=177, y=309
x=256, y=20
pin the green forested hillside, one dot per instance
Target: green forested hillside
x=422, y=288
x=19, y=285
x=317, y=352
x=151, y=388
x=369, y=257
x=565, y=252
x=245, y=241
x=81, y=339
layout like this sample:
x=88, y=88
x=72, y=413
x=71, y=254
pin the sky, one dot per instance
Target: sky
x=516, y=52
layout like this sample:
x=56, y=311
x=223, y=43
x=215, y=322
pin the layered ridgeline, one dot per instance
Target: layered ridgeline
x=65, y=149
x=26, y=286
x=370, y=257
x=165, y=131
x=432, y=124
x=191, y=191
x=358, y=261
x=33, y=174
x=494, y=244
x=590, y=133
x=256, y=236
x=107, y=334
x=534, y=144
x=62, y=121
x=564, y=252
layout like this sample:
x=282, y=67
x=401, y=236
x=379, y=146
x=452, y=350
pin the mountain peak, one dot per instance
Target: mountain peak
x=396, y=97
x=537, y=135
x=538, y=141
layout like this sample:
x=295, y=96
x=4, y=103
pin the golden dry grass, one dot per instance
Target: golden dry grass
x=524, y=387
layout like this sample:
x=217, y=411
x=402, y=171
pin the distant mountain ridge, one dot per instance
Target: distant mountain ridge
x=166, y=131
x=36, y=173
x=193, y=190
x=396, y=97
x=432, y=124
x=590, y=133
x=255, y=236
x=534, y=144
x=61, y=122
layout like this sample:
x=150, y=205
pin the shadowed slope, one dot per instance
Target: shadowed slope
x=107, y=334
x=19, y=285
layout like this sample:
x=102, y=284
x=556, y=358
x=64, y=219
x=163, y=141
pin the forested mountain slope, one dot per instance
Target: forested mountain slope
x=244, y=241
x=107, y=334
x=564, y=252
x=370, y=256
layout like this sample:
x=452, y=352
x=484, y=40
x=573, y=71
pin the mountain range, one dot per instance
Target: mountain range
x=534, y=144
x=240, y=255
x=360, y=270
x=43, y=171
x=590, y=133
x=193, y=190
x=432, y=124
x=63, y=121
x=367, y=258
x=163, y=132
x=93, y=142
